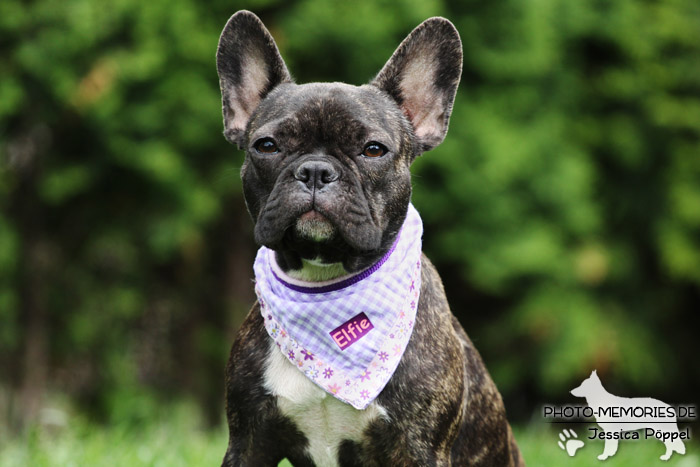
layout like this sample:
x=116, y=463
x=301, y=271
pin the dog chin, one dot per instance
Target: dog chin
x=314, y=226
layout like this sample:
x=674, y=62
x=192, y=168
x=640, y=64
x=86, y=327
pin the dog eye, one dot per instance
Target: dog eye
x=266, y=146
x=374, y=150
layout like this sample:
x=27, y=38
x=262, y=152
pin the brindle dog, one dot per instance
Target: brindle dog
x=327, y=182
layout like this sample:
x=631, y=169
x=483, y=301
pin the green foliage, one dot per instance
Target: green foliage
x=568, y=185
x=563, y=209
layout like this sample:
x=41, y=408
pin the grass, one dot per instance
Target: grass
x=538, y=444
x=175, y=438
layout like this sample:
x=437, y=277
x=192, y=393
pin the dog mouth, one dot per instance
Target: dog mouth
x=314, y=226
x=317, y=229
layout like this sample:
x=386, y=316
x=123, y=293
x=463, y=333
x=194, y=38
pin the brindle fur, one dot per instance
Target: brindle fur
x=442, y=406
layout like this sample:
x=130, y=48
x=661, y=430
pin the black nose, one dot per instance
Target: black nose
x=316, y=174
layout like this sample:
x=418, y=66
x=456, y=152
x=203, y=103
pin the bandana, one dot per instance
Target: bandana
x=346, y=335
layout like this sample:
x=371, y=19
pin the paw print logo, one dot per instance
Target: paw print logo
x=569, y=442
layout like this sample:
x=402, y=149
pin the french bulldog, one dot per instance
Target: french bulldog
x=326, y=179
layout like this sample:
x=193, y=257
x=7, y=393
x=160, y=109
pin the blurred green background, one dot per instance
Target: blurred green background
x=563, y=209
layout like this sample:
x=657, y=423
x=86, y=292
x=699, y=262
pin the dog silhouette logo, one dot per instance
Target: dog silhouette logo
x=622, y=418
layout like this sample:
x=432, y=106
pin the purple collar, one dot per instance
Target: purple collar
x=340, y=284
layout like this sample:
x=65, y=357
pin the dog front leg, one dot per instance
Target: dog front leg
x=609, y=450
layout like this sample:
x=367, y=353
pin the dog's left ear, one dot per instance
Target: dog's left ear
x=422, y=77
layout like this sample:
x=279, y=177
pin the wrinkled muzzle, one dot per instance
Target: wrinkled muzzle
x=315, y=200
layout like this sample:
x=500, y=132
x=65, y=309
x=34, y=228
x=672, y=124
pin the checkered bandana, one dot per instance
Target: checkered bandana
x=346, y=335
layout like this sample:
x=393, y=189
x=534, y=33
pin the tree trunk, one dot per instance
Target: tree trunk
x=26, y=209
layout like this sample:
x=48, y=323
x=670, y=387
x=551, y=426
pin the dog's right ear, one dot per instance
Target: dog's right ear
x=249, y=66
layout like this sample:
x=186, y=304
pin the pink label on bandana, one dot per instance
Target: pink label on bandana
x=351, y=331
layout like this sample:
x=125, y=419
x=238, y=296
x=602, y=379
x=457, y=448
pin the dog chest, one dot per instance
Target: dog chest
x=325, y=421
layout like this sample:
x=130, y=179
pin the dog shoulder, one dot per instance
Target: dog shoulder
x=483, y=421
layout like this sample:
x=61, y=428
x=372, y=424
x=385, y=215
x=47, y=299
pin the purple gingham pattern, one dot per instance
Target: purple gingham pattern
x=300, y=316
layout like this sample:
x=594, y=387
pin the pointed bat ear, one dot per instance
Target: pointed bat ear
x=249, y=66
x=422, y=77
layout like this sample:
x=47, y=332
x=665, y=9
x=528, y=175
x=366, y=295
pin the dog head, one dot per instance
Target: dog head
x=589, y=386
x=326, y=175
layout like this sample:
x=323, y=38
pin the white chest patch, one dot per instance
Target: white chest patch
x=323, y=419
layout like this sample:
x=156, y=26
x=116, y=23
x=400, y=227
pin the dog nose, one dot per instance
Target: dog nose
x=316, y=174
